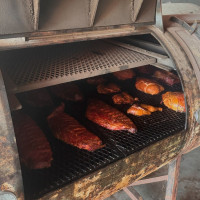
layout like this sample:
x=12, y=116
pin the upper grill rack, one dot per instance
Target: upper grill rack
x=29, y=69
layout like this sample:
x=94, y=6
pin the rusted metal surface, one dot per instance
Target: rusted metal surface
x=122, y=173
x=10, y=174
x=50, y=38
x=172, y=183
x=191, y=45
x=189, y=76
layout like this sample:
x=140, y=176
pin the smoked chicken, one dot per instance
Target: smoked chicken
x=96, y=80
x=124, y=75
x=148, y=86
x=167, y=77
x=123, y=98
x=67, y=91
x=70, y=131
x=108, y=117
x=174, y=101
x=37, y=98
x=34, y=149
x=151, y=108
x=108, y=88
x=138, y=110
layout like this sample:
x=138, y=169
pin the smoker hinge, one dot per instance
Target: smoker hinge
x=197, y=116
x=194, y=29
x=7, y=196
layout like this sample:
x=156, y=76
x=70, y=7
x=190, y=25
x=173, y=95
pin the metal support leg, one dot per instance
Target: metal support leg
x=172, y=183
x=171, y=178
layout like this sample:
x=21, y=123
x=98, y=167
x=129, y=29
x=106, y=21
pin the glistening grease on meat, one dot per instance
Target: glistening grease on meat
x=138, y=110
x=34, y=149
x=167, y=77
x=124, y=75
x=67, y=91
x=174, y=101
x=108, y=88
x=70, y=131
x=108, y=117
x=148, y=86
x=151, y=108
x=124, y=98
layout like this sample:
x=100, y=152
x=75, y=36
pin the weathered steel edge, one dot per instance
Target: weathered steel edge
x=10, y=171
x=119, y=174
x=190, y=86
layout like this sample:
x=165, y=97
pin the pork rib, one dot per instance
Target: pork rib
x=108, y=117
x=70, y=131
x=34, y=149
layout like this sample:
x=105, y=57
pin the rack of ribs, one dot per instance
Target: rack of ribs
x=34, y=149
x=70, y=131
x=108, y=117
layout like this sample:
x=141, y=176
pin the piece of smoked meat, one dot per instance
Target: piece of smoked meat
x=124, y=98
x=167, y=77
x=124, y=75
x=138, y=110
x=37, y=98
x=151, y=108
x=70, y=131
x=147, y=69
x=108, y=117
x=34, y=149
x=174, y=101
x=67, y=91
x=108, y=88
x=96, y=80
x=148, y=86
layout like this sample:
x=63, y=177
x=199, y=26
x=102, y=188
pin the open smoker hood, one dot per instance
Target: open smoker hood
x=36, y=22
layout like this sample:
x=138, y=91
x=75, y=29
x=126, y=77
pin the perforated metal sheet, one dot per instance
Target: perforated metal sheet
x=29, y=69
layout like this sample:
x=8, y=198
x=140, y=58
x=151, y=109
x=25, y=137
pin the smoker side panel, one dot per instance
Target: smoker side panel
x=191, y=45
x=10, y=172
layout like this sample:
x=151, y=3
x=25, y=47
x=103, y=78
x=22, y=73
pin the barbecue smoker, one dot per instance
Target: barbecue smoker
x=45, y=43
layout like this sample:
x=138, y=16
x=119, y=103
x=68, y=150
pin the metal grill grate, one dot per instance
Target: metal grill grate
x=34, y=68
x=70, y=163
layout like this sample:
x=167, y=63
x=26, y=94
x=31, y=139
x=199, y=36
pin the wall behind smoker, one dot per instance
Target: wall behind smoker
x=182, y=1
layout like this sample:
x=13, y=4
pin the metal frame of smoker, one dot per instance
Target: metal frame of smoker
x=102, y=183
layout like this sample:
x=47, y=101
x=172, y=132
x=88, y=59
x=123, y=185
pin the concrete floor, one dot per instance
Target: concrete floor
x=189, y=178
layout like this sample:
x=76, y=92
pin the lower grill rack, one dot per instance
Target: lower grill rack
x=71, y=163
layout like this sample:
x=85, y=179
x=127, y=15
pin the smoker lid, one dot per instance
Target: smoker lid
x=27, y=16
